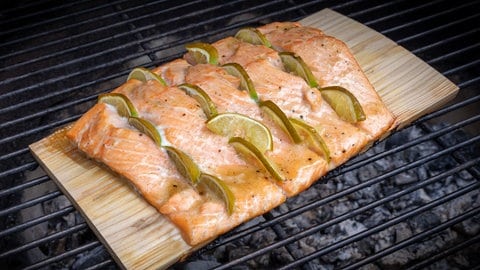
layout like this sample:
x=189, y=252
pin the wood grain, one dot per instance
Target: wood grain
x=138, y=237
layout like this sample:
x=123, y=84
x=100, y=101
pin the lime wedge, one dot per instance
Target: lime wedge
x=146, y=127
x=295, y=64
x=280, y=118
x=184, y=164
x=238, y=125
x=344, y=103
x=143, y=74
x=310, y=135
x=246, y=83
x=201, y=53
x=201, y=97
x=219, y=188
x=249, y=151
x=253, y=36
x=123, y=105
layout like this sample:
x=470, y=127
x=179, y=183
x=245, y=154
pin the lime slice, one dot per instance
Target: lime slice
x=123, y=105
x=143, y=74
x=295, y=64
x=246, y=83
x=280, y=118
x=146, y=127
x=249, y=151
x=219, y=188
x=238, y=125
x=184, y=164
x=201, y=53
x=201, y=97
x=311, y=136
x=344, y=103
x=253, y=36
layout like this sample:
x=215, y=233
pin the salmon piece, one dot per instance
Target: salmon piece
x=200, y=215
x=222, y=88
x=173, y=72
x=292, y=94
x=332, y=63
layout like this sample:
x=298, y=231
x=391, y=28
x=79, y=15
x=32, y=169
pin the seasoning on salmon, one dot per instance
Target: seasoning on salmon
x=106, y=136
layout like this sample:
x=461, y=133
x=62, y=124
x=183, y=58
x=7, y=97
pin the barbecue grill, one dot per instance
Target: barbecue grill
x=410, y=202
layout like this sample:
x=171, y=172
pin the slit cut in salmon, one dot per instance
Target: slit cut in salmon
x=102, y=134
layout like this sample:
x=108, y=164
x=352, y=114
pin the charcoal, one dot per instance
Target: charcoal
x=396, y=260
x=405, y=178
x=90, y=258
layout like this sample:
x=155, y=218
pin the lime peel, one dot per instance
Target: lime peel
x=146, y=127
x=246, y=83
x=124, y=106
x=220, y=189
x=201, y=53
x=344, y=103
x=239, y=125
x=281, y=119
x=253, y=36
x=312, y=138
x=184, y=163
x=201, y=97
x=247, y=149
x=294, y=63
x=144, y=75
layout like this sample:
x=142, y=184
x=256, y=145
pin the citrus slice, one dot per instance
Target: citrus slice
x=146, y=127
x=344, y=103
x=123, y=105
x=201, y=97
x=143, y=74
x=201, y=53
x=249, y=151
x=238, y=125
x=280, y=118
x=253, y=36
x=310, y=135
x=295, y=64
x=184, y=164
x=219, y=188
x=246, y=83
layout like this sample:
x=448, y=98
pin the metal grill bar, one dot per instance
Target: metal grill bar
x=48, y=32
x=32, y=202
x=23, y=186
x=368, y=232
x=36, y=221
x=345, y=192
x=426, y=233
x=46, y=239
x=67, y=254
x=446, y=253
x=98, y=41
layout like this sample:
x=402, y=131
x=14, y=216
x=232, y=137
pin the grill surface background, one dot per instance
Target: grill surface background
x=56, y=57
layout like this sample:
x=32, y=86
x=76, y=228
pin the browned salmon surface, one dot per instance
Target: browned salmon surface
x=107, y=137
x=201, y=215
x=333, y=64
x=223, y=89
x=292, y=94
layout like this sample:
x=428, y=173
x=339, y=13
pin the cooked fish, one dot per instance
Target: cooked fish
x=200, y=214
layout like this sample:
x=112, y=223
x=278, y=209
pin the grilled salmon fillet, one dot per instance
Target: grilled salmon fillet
x=102, y=134
x=333, y=64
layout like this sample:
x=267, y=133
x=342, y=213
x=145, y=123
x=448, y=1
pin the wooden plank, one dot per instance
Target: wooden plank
x=138, y=237
x=409, y=87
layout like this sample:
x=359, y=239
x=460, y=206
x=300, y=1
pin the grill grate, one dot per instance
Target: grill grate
x=56, y=57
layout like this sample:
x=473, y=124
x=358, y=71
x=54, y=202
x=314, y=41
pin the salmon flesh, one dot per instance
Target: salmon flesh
x=105, y=136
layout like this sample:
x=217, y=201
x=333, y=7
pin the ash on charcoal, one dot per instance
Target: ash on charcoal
x=91, y=258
